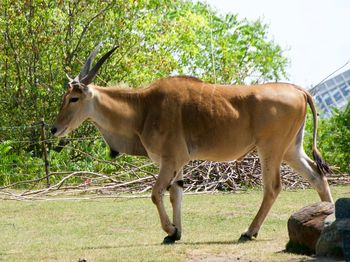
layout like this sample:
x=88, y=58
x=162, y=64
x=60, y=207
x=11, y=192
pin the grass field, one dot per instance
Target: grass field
x=129, y=229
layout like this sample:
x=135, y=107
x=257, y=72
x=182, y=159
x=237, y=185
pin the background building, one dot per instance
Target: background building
x=334, y=92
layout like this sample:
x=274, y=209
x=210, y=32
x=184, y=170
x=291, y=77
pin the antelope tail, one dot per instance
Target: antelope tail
x=321, y=164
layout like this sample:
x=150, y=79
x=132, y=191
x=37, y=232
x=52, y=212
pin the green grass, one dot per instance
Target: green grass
x=129, y=229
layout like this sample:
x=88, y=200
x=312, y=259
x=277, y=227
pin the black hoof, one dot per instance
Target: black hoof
x=168, y=240
x=244, y=238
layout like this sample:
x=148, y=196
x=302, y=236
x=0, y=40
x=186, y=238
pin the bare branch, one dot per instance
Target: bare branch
x=86, y=27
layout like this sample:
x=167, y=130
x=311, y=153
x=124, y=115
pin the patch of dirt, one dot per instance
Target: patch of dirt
x=197, y=256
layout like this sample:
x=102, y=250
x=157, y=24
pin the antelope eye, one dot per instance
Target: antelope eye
x=73, y=99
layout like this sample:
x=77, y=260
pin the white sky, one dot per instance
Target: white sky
x=314, y=33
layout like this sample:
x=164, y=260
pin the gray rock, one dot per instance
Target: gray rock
x=330, y=243
x=342, y=208
x=335, y=237
x=329, y=220
x=346, y=245
x=342, y=214
x=318, y=229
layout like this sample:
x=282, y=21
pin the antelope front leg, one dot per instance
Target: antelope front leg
x=167, y=173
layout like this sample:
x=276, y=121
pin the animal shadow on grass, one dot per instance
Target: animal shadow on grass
x=227, y=242
x=160, y=244
x=218, y=242
x=185, y=243
x=235, y=242
x=118, y=246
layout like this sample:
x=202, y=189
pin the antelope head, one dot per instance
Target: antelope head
x=76, y=105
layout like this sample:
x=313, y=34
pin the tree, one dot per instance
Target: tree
x=42, y=40
x=335, y=136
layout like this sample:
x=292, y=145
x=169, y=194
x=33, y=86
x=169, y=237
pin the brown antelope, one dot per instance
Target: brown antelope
x=178, y=119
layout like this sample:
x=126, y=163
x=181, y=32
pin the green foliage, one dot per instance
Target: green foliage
x=42, y=40
x=93, y=156
x=333, y=138
x=17, y=166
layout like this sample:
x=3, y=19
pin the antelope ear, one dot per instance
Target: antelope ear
x=69, y=78
x=88, y=91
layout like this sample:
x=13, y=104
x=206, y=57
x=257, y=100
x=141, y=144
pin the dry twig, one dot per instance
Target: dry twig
x=199, y=176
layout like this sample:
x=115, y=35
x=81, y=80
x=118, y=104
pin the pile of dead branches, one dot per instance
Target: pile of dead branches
x=199, y=176
x=235, y=175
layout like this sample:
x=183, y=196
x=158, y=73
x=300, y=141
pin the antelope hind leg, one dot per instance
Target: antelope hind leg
x=272, y=187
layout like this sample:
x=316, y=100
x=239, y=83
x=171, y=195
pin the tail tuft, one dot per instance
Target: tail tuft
x=321, y=164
